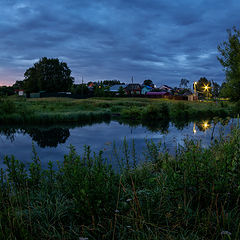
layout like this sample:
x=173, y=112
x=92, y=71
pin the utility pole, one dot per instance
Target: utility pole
x=82, y=88
x=132, y=84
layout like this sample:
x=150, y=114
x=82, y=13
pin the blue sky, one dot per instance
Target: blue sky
x=116, y=39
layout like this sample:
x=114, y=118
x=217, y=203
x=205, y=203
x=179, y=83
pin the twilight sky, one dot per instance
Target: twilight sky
x=116, y=39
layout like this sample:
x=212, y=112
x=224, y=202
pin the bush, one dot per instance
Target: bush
x=103, y=105
x=180, y=112
x=156, y=112
x=132, y=113
x=7, y=106
x=237, y=107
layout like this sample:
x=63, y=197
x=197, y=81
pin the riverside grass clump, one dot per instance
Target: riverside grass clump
x=7, y=106
x=193, y=195
x=52, y=118
x=149, y=113
x=16, y=112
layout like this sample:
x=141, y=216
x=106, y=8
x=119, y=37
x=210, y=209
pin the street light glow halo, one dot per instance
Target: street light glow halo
x=206, y=87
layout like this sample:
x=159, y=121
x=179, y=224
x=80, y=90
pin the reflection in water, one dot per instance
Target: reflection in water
x=157, y=126
x=207, y=124
x=194, y=128
x=51, y=137
x=9, y=133
x=45, y=136
x=48, y=137
x=181, y=124
x=203, y=125
x=152, y=126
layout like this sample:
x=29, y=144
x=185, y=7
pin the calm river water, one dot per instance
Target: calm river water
x=53, y=142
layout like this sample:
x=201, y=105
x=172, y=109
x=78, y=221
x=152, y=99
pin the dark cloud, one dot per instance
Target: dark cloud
x=112, y=39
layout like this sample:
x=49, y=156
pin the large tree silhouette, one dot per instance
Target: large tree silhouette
x=48, y=75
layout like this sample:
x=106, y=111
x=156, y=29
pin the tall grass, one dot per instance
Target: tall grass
x=57, y=110
x=26, y=117
x=147, y=114
x=193, y=195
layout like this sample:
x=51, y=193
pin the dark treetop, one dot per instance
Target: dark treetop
x=48, y=75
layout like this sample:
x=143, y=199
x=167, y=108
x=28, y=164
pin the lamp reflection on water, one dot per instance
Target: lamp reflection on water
x=205, y=125
x=202, y=126
x=194, y=128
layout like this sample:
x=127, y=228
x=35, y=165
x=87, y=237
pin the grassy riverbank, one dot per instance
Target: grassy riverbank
x=60, y=110
x=49, y=111
x=194, y=195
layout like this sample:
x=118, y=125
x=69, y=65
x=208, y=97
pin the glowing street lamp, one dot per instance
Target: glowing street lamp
x=195, y=88
x=195, y=92
x=206, y=89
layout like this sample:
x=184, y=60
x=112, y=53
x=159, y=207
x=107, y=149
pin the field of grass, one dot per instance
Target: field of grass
x=60, y=110
x=193, y=195
x=49, y=111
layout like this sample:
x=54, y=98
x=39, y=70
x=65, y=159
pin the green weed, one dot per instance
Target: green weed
x=192, y=195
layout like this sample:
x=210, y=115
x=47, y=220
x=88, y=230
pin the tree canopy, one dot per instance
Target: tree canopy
x=148, y=82
x=6, y=91
x=80, y=89
x=204, y=86
x=215, y=89
x=112, y=82
x=18, y=85
x=184, y=83
x=48, y=74
x=230, y=60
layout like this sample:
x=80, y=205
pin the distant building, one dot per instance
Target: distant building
x=166, y=88
x=192, y=97
x=133, y=89
x=20, y=92
x=115, y=88
x=158, y=94
x=145, y=89
x=182, y=92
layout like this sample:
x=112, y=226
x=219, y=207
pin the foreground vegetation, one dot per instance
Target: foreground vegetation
x=194, y=195
x=65, y=110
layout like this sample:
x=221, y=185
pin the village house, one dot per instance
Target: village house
x=133, y=89
x=145, y=89
x=158, y=94
x=166, y=88
x=20, y=92
x=115, y=88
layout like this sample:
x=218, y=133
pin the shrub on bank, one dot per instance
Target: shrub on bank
x=147, y=114
x=180, y=111
x=237, y=107
x=132, y=113
x=155, y=112
x=7, y=106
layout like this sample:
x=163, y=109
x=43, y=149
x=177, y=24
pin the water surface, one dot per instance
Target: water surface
x=52, y=143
